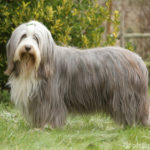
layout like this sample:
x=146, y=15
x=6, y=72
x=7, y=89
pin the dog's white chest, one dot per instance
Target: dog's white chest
x=21, y=90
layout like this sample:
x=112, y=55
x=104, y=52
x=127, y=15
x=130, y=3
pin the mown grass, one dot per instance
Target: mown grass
x=93, y=132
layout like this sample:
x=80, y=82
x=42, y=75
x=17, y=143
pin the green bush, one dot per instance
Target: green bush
x=79, y=23
x=130, y=46
x=4, y=96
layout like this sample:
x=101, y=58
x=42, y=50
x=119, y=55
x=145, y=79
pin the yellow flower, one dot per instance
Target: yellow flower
x=85, y=41
x=75, y=12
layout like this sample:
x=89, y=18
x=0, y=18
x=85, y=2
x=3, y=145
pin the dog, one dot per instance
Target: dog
x=48, y=81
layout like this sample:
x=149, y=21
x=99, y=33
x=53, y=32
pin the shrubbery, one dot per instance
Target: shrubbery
x=79, y=23
x=4, y=96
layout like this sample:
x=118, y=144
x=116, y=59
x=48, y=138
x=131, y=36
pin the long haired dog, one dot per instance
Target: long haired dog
x=48, y=81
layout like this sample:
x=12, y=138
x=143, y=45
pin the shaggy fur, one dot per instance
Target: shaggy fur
x=48, y=81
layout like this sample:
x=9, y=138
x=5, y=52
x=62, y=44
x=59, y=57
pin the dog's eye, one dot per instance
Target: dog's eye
x=23, y=36
x=36, y=39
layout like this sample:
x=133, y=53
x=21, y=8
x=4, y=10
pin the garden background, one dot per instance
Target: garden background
x=83, y=24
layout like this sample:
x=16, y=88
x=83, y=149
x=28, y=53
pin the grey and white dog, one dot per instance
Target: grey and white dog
x=49, y=81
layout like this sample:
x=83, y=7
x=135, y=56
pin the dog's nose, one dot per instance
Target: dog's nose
x=27, y=47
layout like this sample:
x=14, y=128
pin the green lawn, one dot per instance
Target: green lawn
x=92, y=132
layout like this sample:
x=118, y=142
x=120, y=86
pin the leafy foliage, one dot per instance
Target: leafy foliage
x=4, y=96
x=79, y=23
x=130, y=46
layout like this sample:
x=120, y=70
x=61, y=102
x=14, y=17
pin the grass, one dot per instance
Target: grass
x=93, y=132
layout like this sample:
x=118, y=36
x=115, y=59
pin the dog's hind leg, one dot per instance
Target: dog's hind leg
x=146, y=117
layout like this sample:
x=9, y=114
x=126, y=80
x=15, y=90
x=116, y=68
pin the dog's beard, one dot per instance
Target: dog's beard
x=27, y=64
x=27, y=60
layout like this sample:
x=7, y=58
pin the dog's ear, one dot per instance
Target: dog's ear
x=46, y=67
x=10, y=63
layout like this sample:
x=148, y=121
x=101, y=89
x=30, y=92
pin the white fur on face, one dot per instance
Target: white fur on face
x=29, y=39
x=38, y=37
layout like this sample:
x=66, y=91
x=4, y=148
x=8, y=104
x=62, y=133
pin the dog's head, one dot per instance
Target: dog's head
x=29, y=48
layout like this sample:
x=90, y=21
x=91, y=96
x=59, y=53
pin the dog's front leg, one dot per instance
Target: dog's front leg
x=58, y=116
